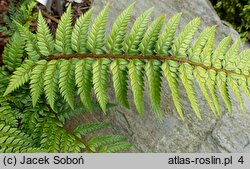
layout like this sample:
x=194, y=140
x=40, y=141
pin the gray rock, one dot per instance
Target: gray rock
x=225, y=134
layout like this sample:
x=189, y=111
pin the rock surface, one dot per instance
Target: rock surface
x=226, y=134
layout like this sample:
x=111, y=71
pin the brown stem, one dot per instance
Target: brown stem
x=142, y=57
x=49, y=16
x=77, y=138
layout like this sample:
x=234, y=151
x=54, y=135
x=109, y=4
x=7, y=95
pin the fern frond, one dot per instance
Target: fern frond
x=100, y=81
x=12, y=9
x=5, y=30
x=56, y=139
x=165, y=40
x=131, y=45
x=230, y=56
x=232, y=82
x=151, y=36
x=96, y=142
x=21, y=13
x=63, y=32
x=211, y=84
x=80, y=33
x=206, y=54
x=120, y=77
x=201, y=76
x=186, y=76
x=242, y=62
x=44, y=38
x=31, y=45
x=184, y=39
x=83, y=129
x=153, y=72
x=13, y=140
x=21, y=76
x=199, y=44
x=7, y=115
x=136, y=72
x=221, y=81
x=51, y=79
x=170, y=69
x=67, y=80
x=13, y=52
x=4, y=80
x=36, y=80
x=83, y=76
x=115, y=40
x=220, y=52
x=29, y=123
x=95, y=42
x=8, y=20
x=84, y=57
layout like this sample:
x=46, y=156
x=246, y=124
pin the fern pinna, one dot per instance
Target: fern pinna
x=81, y=56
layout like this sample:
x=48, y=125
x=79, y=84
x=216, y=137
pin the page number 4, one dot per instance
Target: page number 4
x=241, y=160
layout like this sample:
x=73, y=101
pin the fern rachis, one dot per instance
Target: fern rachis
x=144, y=52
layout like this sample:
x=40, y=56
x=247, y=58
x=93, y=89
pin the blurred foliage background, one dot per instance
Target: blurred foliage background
x=235, y=13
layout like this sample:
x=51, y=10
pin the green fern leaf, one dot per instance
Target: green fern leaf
x=220, y=51
x=230, y=56
x=80, y=31
x=95, y=142
x=31, y=45
x=120, y=77
x=184, y=39
x=5, y=30
x=151, y=36
x=36, y=81
x=95, y=42
x=244, y=86
x=51, y=80
x=153, y=72
x=201, y=76
x=50, y=137
x=136, y=72
x=29, y=123
x=100, y=81
x=200, y=43
x=21, y=76
x=44, y=37
x=221, y=80
x=54, y=138
x=131, y=45
x=13, y=52
x=233, y=83
x=83, y=76
x=211, y=84
x=83, y=129
x=4, y=80
x=186, y=76
x=63, y=32
x=67, y=80
x=115, y=40
x=206, y=54
x=242, y=62
x=13, y=140
x=170, y=69
x=165, y=40
x=81, y=58
x=7, y=115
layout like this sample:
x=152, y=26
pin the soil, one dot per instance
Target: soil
x=51, y=16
